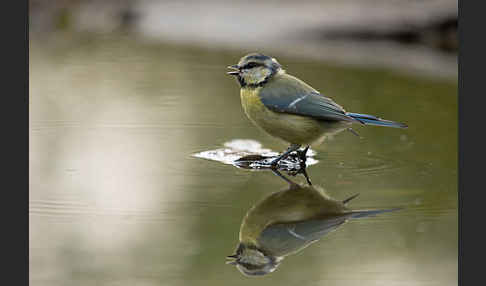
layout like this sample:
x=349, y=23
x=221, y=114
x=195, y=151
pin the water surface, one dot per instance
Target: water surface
x=117, y=199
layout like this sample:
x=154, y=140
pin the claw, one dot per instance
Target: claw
x=302, y=155
x=274, y=164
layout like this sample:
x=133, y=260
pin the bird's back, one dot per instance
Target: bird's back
x=285, y=83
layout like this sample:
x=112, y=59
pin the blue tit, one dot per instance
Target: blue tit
x=288, y=108
x=286, y=222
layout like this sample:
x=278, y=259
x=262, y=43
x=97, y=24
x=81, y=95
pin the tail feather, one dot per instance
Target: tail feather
x=350, y=198
x=373, y=120
x=366, y=213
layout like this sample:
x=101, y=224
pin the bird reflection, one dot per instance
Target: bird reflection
x=286, y=222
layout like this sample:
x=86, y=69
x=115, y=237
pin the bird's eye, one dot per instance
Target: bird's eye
x=251, y=65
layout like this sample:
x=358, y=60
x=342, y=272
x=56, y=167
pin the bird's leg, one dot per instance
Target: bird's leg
x=291, y=149
x=302, y=155
x=304, y=172
x=276, y=172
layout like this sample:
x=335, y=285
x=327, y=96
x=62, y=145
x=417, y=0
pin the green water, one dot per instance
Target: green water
x=117, y=199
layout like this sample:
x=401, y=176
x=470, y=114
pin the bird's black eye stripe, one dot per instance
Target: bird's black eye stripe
x=251, y=65
x=239, y=250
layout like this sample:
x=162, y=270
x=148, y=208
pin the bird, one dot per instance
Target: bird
x=285, y=222
x=290, y=109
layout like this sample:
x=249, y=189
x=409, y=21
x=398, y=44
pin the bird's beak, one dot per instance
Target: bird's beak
x=232, y=262
x=235, y=70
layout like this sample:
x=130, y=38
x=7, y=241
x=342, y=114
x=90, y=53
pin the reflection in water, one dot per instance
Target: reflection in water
x=286, y=222
x=236, y=150
x=249, y=154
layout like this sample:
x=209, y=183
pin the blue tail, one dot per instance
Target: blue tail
x=373, y=120
x=366, y=213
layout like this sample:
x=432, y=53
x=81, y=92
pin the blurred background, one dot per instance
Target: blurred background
x=122, y=93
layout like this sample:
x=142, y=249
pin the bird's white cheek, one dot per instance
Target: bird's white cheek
x=255, y=76
x=251, y=77
x=260, y=75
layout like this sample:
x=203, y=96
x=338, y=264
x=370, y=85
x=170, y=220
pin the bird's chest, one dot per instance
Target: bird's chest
x=291, y=128
x=260, y=115
x=251, y=103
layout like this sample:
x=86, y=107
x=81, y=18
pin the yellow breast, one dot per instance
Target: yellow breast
x=251, y=103
x=291, y=128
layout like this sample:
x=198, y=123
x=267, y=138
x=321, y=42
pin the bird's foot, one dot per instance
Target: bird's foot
x=274, y=164
x=301, y=170
x=291, y=160
x=301, y=157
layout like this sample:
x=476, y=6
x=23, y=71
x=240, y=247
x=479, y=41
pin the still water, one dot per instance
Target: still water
x=117, y=197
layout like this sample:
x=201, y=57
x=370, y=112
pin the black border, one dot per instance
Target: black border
x=460, y=104
x=15, y=135
x=472, y=49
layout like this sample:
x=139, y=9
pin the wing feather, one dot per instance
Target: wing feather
x=290, y=95
x=283, y=238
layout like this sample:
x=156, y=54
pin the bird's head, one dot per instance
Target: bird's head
x=255, y=69
x=253, y=262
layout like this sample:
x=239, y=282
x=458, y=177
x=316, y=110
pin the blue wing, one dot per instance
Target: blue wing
x=284, y=238
x=290, y=95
